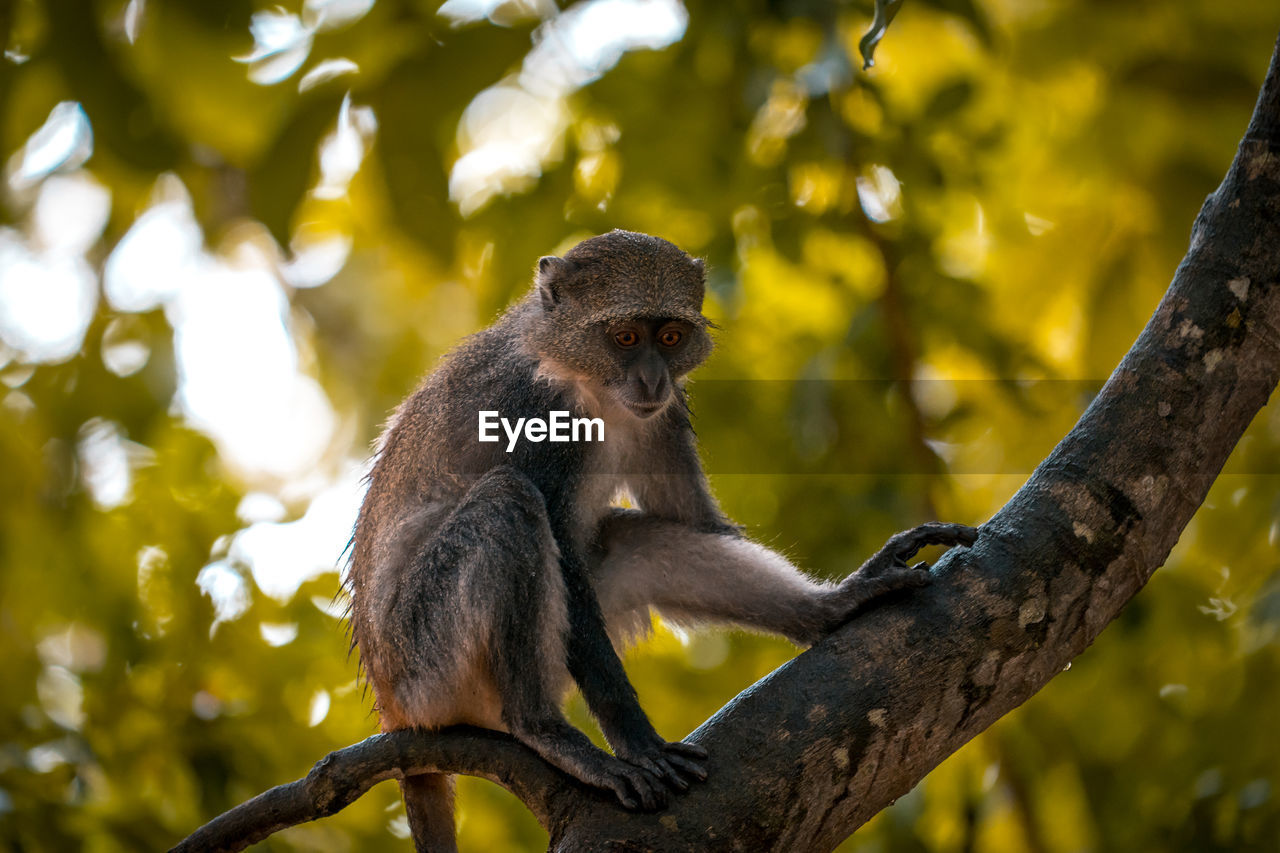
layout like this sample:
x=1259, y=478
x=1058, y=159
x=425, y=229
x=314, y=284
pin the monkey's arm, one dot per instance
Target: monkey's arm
x=701, y=566
x=594, y=664
x=692, y=577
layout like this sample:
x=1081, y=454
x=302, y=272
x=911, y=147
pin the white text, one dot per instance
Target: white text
x=558, y=426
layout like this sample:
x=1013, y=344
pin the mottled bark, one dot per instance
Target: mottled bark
x=805, y=756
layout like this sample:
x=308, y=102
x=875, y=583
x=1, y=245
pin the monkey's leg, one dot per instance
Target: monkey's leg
x=692, y=576
x=500, y=539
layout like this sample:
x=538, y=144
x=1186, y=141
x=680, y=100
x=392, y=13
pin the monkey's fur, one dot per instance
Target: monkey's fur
x=483, y=580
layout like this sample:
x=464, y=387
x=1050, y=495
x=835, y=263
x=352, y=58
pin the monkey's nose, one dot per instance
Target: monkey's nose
x=653, y=380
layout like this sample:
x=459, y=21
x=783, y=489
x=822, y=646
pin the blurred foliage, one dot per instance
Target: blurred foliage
x=993, y=211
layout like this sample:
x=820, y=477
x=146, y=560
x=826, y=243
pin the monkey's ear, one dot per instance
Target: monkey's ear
x=550, y=277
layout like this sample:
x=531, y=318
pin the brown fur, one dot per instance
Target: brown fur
x=485, y=582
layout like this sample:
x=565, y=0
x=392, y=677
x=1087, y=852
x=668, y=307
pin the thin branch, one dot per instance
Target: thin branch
x=342, y=777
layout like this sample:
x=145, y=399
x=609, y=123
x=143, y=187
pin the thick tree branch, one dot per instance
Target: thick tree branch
x=805, y=756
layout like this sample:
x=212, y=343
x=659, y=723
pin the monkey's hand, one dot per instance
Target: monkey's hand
x=674, y=763
x=892, y=558
x=888, y=571
x=635, y=787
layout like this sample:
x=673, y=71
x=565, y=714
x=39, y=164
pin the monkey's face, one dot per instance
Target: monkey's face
x=622, y=312
x=649, y=356
x=635, y=361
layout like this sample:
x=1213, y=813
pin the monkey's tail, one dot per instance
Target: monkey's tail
x=428, y=800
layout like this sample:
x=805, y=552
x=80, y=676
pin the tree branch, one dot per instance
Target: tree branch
x=342, y=777
x=805, y=756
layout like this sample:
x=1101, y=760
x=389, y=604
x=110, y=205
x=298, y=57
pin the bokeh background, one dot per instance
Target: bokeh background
x=235, y=234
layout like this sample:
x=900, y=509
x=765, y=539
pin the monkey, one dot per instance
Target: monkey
x=488, y=577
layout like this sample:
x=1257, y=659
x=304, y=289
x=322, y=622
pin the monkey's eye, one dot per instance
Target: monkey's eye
x=626, y=338
x=669, y=338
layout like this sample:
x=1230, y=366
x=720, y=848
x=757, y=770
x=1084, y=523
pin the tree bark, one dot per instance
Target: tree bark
x=811, y=752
